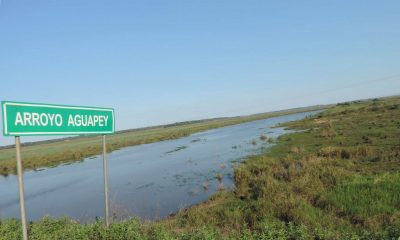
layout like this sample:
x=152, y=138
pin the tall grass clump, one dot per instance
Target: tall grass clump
x=337, y=178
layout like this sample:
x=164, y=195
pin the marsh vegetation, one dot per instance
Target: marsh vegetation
x=337, y=179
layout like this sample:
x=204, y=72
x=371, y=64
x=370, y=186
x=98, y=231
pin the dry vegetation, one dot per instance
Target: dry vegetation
x=338, y=179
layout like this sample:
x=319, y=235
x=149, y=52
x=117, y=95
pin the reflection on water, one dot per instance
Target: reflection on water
x=149, y=181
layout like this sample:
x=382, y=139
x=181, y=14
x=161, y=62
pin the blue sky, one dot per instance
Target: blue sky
x=158, y=62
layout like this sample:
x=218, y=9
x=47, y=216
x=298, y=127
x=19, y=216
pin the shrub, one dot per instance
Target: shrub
x=263, y=137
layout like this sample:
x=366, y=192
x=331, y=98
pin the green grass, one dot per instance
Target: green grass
x=338, y=178
x=76, y=149
x=382, y=191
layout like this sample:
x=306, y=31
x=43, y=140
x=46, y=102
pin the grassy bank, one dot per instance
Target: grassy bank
x=76, y=149
x=337, y=179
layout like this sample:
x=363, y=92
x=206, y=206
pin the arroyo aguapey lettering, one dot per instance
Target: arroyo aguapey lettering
x=55, y=119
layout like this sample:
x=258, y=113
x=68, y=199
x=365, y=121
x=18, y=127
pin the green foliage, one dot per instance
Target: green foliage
x=373, y=200
x=10, y=229
x=202, y=233
x=338, y=178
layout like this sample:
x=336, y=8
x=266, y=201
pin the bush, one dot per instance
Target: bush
x=263, y=137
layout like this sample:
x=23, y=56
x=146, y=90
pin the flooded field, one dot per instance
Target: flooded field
x=149, y=181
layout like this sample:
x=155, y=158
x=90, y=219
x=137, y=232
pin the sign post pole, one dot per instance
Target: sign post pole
x=35, y=119
x=105, y=175
x=21, y=188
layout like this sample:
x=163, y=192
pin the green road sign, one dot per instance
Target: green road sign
x=28, y=119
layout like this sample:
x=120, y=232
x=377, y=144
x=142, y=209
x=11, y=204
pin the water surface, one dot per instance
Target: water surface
x=149, y=181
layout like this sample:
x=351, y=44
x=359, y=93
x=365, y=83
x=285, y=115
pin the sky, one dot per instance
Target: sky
x=158, y=62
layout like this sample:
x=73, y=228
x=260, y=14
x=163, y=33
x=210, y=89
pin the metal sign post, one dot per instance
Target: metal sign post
x=105, y=175
x=34, y=119
x=21, y=188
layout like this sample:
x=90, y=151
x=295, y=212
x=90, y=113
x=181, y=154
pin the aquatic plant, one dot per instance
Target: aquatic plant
x=177, y=149
x=335, y=187
x=219, y=177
